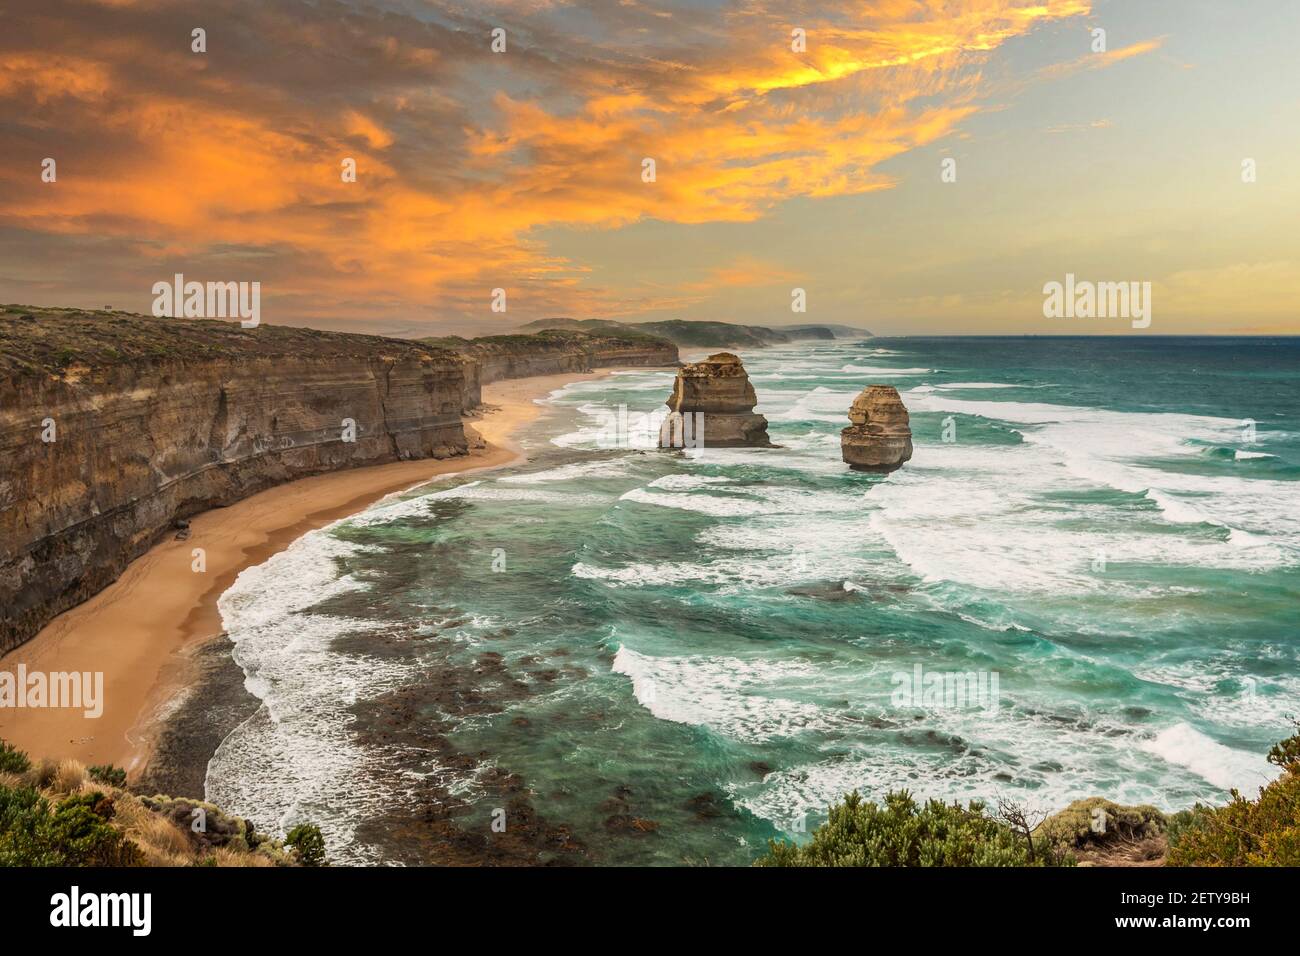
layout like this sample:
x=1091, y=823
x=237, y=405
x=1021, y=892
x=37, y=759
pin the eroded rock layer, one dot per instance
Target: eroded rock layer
x=114, y=426
x=880, y=438
x=717, y=400
x=496, y=357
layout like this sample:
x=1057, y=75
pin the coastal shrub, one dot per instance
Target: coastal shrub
x=1098, y=820
x=80, y=829
x=1261, y=832
x=1286, y=752
x=108, y=775
x=74, y=832
x=24, y=816
x=12, y=760
x=904, y=833
x=307, y=839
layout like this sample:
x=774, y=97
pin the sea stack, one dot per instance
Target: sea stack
x=880, y=438
x=713, y=406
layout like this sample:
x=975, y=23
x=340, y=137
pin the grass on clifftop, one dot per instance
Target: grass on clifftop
x=552, y=339
x=44, y=341
x=60, y=814
x=680, y=332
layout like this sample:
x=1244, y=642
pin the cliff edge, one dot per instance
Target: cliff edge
x=113, y=426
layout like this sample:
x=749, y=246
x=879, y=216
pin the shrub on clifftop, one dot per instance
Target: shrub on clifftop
x=74, y=832
x=12, y=760
x=61, y=814
x=306, y=838
x=905, y=833
x=1262, y=832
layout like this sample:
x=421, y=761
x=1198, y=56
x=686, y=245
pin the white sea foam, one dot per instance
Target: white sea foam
x=822, y=404
x=687, y=482
x=1121, y=450
x=884, y=372
x=293, y=757
x=980, y=385
x=1185, y=746
x=981, y=515
x=605, y=468
x=736, y=698
x=1248, y=455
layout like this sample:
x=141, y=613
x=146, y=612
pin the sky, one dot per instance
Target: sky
x=777, y=165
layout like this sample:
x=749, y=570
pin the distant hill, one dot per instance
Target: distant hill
x=688, y=334
x=837, y=331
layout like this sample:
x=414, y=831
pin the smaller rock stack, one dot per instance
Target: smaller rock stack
x=712, y=406
x=880, y=438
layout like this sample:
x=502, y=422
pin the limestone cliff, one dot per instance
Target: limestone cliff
x=880, y=438
x=715, y=393
x=112, y=426
x=496, y=357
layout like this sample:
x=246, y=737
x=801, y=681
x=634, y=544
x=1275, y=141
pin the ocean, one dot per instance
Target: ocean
x=1085, y=582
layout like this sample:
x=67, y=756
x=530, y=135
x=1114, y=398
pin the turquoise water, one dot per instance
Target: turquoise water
x=1104, y=532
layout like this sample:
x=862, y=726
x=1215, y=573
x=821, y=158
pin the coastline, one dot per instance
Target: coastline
x=156, y=634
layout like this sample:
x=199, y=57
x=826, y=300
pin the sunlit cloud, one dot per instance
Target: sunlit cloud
x=228, y=163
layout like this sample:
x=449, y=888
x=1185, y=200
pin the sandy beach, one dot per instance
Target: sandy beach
x=142, y=631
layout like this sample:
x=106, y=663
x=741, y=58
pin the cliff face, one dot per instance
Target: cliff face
x=496, y=357
x=719, y=390
x=112, y=427
x=880, y=438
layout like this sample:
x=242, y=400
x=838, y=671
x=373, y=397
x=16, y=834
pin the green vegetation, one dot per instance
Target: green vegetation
x=1262, y=832
x=905, y=833
x=1090, y=832
x=1098, y=820
x=61, y=814
x=12, y=760
x=678, y=331
x=306, y=838
x=74, y=832
x=107, y=773
x=38, y=341
x=556, y=339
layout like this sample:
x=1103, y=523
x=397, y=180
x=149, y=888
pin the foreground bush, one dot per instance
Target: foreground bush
x=904, y=833
x=1262, y=832
x=74, y=832
x=58, y=813
x=12, y=760
x=306, y=838
x=107, y=773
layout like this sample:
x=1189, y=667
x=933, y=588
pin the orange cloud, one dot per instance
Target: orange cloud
x=231, y=160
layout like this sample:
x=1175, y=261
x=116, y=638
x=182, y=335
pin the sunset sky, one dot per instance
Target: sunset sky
x=774, y=168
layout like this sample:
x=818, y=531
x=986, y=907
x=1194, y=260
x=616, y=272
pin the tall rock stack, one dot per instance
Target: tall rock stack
x=712, y=406
x=880, y=438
